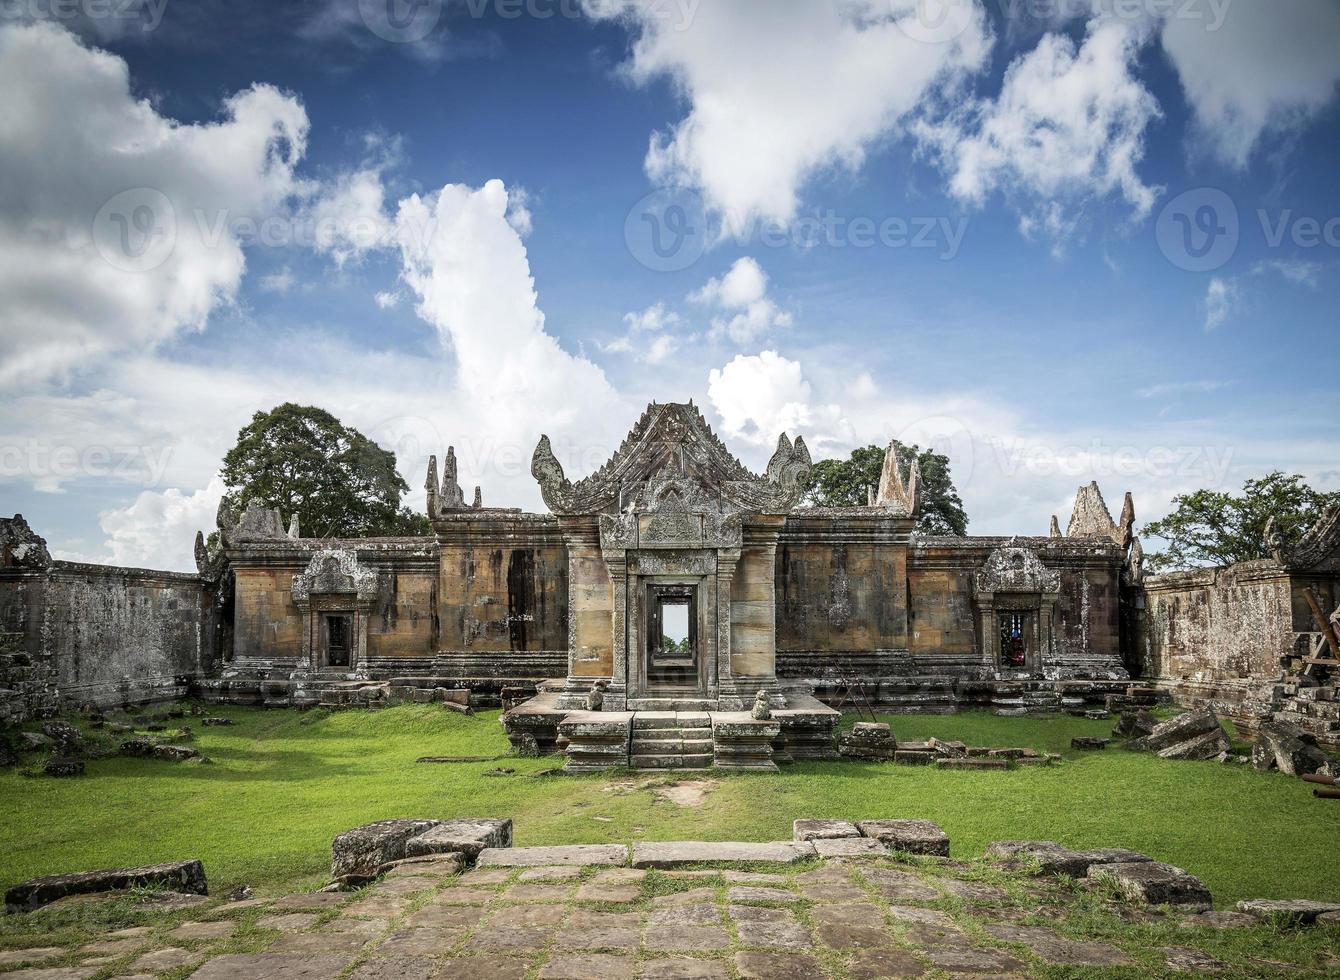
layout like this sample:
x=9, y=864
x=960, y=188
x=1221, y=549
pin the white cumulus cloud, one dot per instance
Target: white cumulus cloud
x=1269, y=67
x=116, y=223
x=747, y=313
x=782, y=90
x=1068, y=126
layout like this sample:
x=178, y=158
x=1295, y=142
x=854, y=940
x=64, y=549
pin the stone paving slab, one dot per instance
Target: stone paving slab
x=684, y=968
x=777, y=966
x=753, y=893
x=847, y=847
x=674, y=853
x=813, y=830
x=770, y=928
x=591, y=966
x=13, y=957
x=575, y=855
x=270, y=966
x=1053, y=949
x=588, y=929
x=884, y=964
x=482, y=967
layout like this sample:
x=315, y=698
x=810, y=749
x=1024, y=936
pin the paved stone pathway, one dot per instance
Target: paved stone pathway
x=848, y=918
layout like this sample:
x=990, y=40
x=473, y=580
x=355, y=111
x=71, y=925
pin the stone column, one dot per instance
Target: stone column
x=720, y=673
x=987, y=628
x=616, y=698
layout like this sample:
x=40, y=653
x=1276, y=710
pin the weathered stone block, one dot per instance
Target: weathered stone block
x=1210, y=745
x=62, y=767
x=998, y=765
x=363, y=850
x=845, y=847
x=1054, y=859
x=1290, y=749
x=1089, y=743
x=674, y=853
x=574, y=855
x=177, y=876
x=1154, y=883
x=175, y=753
x=464, y=835
x=870, y=731
x=812, y=830
x=1176, y=730
x=1134, y=723
x=910, y=758
x=911, y=836
x=1291, y=911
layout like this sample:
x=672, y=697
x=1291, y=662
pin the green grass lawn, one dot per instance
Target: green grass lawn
x=283, y=784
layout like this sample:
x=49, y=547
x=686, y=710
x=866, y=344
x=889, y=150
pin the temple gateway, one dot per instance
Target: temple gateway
x=672, y=608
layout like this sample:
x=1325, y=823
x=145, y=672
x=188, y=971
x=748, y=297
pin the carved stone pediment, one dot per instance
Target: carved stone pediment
x=1318, y=551
x=336, y=572
x=673, y=459
x=1015, y=569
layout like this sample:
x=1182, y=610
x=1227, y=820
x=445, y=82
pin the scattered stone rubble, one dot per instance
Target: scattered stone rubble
x=875, y=742
x=1196, y=735
x=1137, y=877
x=179, y=876
x=1292, y=750
x=358, y=856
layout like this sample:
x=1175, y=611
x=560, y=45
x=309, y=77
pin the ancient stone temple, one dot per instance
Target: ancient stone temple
x=672, y=606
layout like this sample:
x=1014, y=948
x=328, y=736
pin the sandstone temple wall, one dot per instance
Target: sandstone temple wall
x=402, y=620
x=103, y=635
x=1218, y=624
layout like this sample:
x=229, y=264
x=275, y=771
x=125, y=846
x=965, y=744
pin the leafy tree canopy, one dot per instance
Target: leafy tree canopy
x=304, y=461
x=846, y=483
x=1210, y=527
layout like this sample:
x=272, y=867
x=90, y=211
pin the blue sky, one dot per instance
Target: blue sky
x=1008, y=232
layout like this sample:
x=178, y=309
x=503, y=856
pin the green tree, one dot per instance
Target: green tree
x=1212, y=527
x=846, y=483
x=304, y=461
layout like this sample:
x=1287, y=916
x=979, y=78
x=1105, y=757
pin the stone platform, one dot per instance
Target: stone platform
x=596, y=741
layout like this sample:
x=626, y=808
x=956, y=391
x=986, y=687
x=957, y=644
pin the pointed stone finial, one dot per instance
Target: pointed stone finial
x=201, y=552
x=451, y=496
x=895, y=493
x=293, y=531
x=1056, y=527
x=1126, y=526
x=801, y=452
x=1091, y=518
x=479, y=499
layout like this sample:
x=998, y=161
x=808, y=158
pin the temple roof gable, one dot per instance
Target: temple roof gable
x=673, y=444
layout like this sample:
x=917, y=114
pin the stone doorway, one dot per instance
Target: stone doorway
x=673, y=661
x=337, y=630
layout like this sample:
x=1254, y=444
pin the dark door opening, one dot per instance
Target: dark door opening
x=339, y=639
x=1016, y=640
x=672, y=637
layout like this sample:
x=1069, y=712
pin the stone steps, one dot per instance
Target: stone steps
x=671, y=740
